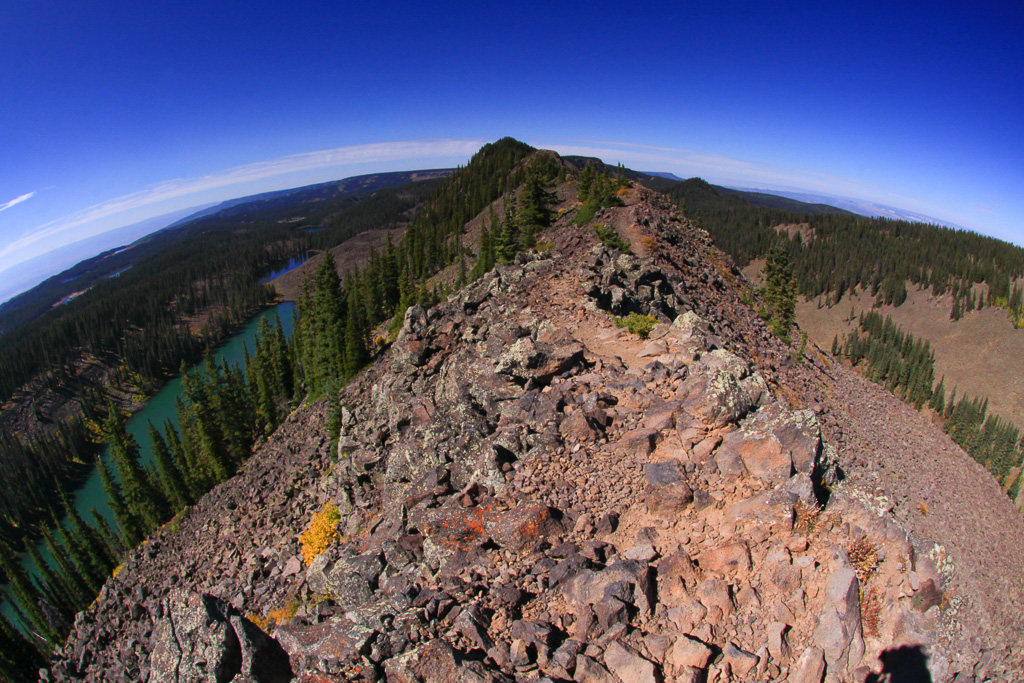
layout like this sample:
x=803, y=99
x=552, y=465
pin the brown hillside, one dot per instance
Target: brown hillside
x=979, y=354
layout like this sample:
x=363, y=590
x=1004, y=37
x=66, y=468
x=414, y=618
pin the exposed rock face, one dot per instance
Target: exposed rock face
x=201, y=638
x=529, y=493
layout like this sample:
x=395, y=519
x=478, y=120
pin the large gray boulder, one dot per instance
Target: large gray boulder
x=204, y=640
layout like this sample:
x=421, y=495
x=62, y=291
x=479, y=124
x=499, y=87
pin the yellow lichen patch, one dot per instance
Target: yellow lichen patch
x=321, y=532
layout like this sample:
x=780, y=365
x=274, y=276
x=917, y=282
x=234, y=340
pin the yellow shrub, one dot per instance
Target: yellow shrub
x=284, y=614
x=261, y=621
x=321, y=532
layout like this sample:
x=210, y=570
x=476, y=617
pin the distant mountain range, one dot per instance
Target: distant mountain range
x=858, y=206
x=27, y=274
x=24, y=276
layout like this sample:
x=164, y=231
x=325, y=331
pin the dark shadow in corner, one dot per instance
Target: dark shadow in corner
x=906, y=664
x=822, y=489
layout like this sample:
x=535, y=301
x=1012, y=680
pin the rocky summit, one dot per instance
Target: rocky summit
x=527, y=492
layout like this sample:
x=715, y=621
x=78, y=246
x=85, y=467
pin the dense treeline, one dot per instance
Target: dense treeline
x=211, y=267
x=225, y=410
x=847, y=251
x=29, y=467
x=895, y=359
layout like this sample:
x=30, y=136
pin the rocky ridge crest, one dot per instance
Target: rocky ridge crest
x=530, y=493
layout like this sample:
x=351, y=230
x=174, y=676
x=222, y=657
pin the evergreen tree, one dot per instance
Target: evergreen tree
x=185, y=461
x=355, y=352
x=131, y=527
x=92, y=545
x=52, y=585
x=25, y=594
x=533, y=212
x=114, y=543
x=20, y=661
x=141, y=495
x=76, y=552
x=322, y=316
x=938, y=402
x=71, y=582
x=779, y=292
x=462, y=278
x=508, y=239
x=171, y=480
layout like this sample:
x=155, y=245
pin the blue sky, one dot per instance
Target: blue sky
x=117, y=111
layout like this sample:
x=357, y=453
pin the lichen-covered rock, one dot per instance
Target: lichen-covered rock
x=839, y=632
x=438, y=662
x=720, y=389
x=337, y=647
x=202, y=639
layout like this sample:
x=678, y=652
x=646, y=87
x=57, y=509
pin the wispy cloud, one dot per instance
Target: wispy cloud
x=296, y=163
x=17, y=200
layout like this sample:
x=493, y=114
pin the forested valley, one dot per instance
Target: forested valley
x=226, y=410
x=177, y=294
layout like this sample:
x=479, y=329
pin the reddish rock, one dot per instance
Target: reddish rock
x=666, y=490
x=734, y=557
x=636, y=442
x=524, y=525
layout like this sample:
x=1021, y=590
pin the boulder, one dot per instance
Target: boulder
x=636, y=442
x=778, y=641
x=201, y=638
x=588, y=586
x=591, y=671
x=525, y=524
x=773, y=443
x=740, y=661
x=667, y=490
x=628, y=665
x=810, y=668
x=838, y=632
x=436, y=661
x=351, y=581
x=762, y=456
x=578, y=428
x=687, y=651
x=734, y=557
x=328, y=646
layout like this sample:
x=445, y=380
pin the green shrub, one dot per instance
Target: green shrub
x=637, y=324
x=610, y=238
x=586, y=212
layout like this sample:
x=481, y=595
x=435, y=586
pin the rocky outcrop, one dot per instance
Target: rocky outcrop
x=530, y=493
x=200, y=638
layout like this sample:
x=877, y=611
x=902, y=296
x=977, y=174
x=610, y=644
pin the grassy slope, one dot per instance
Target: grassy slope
x=980, y=353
